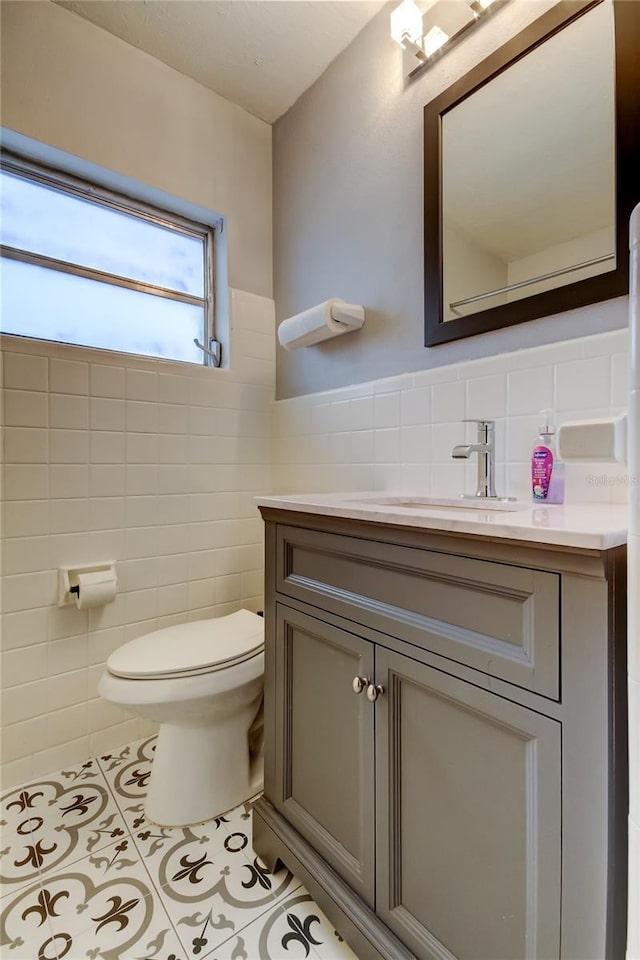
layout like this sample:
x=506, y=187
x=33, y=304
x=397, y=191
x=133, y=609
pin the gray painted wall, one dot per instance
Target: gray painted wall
x=348, y=213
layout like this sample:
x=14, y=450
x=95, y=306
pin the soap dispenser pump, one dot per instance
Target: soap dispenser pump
x=547, y=472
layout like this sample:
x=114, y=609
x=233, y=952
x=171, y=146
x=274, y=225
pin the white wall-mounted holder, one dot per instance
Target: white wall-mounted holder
x=87, y=585
x=333, y=318
x=594, y=441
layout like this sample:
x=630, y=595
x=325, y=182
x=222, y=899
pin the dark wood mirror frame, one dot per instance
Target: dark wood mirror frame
x=627, y=167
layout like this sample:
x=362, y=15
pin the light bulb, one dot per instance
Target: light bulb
x=406, y=23
x=433, y=40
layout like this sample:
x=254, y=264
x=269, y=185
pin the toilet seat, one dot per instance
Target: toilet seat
x=189, y=649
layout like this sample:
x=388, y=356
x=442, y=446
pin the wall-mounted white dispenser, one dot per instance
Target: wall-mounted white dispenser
x=89, y=585
x=594, y=441
x=333, y=318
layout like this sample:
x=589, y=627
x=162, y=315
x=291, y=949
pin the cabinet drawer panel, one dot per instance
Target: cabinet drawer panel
x=469, y=818
x=496, y=618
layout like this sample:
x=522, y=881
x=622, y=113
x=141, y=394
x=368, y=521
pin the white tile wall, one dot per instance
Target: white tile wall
x=154, y=465
x=399, y=432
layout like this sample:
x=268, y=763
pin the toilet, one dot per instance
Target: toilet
x=202, y=682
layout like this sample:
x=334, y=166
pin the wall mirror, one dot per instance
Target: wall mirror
x=532, y=168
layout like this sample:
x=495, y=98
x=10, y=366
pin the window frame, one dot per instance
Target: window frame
x=88, y=191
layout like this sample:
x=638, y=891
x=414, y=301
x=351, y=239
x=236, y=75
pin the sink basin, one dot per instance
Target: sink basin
x=428, y=503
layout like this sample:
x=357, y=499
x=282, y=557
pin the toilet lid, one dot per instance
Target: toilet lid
x=190, y=648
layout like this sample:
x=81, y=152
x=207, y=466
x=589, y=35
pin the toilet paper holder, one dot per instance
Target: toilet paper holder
x=69, y=584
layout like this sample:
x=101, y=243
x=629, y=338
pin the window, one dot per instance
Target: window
x=82, y=266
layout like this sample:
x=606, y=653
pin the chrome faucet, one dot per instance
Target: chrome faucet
x=485, y=448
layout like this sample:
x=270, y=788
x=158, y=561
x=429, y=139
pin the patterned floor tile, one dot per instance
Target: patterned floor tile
x=25, y=927
x=154, y=842
x=209, y=900
x=148, y=936
x=87, y=876
x=239, y=820
x=102, y=906
x=295, y=928
x=299, y=925
x=127, y=771
x=56, y=820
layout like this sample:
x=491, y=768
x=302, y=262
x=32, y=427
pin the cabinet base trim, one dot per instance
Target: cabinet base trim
x=275, y=839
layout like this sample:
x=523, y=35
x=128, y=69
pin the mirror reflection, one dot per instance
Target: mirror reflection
x=528, y=173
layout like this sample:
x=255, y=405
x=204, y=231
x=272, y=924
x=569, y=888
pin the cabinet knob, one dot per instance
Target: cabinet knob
x=359, y=683
x=373, y=691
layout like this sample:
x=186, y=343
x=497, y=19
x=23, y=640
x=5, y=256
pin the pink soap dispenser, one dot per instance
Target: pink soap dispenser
x=547, y=471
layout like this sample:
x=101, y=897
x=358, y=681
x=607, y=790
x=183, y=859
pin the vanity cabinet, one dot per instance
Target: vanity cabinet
x=469, y=801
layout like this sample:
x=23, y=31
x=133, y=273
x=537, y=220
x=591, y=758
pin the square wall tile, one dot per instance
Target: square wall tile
x=69, y=516
x=25, y=481
x=69, y=446
x=107, y=479
x=23, y=739
x=448, y=401
x=25, y=518
x=24, y=372
x=24, y=628
x=66, y=411
x=66, y=724
x=142, y=385
x=23, y=665
x=107, y=381
x=68, y=480
x=529, y=391
x=386, y=410
x=620, y=380
x=68, y=376
x=174, y=389
x=142, y=417
x=25, y=408
x=174, y=418
x=583, y=384
x=486, y=397
x=107, y=447
x=415, y=406
x=67, y=621
x=387, y=446
x=25, y=701
x=67, y=654
x=361, y=413
x=416, y=444
x=25, y=555
x=25, y=591
x=26, y=445
x=107, y=414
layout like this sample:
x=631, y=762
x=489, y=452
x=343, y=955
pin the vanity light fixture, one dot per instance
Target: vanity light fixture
x=433, y=40
x=479, y=6
x=427, y=28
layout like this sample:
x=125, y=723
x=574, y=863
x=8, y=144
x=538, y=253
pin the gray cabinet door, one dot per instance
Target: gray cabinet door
x=324, y=743
x=468, y=818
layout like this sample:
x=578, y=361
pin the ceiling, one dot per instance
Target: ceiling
x=259, y=54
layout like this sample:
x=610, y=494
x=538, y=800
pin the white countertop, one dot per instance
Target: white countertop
x=589, y=525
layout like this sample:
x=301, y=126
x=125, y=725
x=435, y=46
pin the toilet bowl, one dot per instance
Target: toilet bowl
x=202, y=682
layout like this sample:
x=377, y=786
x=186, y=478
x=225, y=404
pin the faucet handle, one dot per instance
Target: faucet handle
x=486, y=428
